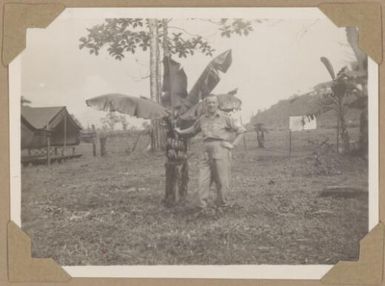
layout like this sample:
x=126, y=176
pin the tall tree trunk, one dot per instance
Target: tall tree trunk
x=166, y=53
x=161, y=131
x=158, y=69
x=154, y=78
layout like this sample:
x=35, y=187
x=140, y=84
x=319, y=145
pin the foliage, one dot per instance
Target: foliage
x=128, y=35
x=146, y=126
x=123, y=36
x=356, y=77
x=111, y=119
x=348, y=89
x=236, y=26
x=123, y=121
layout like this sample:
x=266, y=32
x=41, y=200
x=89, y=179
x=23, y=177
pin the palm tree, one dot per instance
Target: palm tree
x=347, y=89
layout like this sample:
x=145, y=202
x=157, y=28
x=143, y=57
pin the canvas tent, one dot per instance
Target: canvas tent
x=40, y=123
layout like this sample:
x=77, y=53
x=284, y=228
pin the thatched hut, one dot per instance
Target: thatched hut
x=55, y=123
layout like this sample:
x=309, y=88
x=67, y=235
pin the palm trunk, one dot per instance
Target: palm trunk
x=343, y=131
x=344, y=135
x=176, y=169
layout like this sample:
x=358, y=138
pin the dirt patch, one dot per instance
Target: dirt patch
x=343, y=192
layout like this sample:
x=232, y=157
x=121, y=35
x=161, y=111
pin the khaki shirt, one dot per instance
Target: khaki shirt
x=217, y=127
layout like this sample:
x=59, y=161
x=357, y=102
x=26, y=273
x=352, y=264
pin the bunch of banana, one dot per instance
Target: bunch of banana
x=175, y=144
x=176, y=149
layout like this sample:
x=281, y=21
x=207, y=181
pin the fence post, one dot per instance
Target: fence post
x=289, y=142
x=93, y=141
x=338, y=135
x=48, y=140
x=48, y=147
x=103, y=139
x=244, y=135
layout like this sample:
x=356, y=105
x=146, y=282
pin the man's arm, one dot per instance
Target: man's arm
x=238, y=129
x=235, y=142
x=187, y=131
x=192, y=130
x=238, y=138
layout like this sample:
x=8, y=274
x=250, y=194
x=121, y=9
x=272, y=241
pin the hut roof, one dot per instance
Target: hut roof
x=39, y=122
x=39, y=117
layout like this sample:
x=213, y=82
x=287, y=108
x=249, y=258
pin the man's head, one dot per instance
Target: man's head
x=211, y=103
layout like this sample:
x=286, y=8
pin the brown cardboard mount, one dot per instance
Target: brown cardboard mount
x=19, y=17
x=19, y=260
x=368, y=269
x=365, y=16
x=16, y=264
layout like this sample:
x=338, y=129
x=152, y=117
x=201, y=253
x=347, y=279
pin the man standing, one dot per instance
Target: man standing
x=260, y=129
x=217, y=129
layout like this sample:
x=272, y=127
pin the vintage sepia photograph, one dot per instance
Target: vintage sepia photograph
x=194, y=137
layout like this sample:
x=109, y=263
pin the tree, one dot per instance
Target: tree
x=110, y=120
x=343, y=92
x=360, y=67
x=146, y=126
x=348, y=89
x=123, y=121
x=127, y=35
x=123, y=36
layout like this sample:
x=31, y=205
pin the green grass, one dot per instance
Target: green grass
x=102, y=211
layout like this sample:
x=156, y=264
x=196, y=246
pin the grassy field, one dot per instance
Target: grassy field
x=99, y=211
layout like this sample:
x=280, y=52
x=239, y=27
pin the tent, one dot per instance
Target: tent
x=38, y=124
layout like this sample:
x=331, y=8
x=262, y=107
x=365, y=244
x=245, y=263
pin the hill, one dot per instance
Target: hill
x=277, y=116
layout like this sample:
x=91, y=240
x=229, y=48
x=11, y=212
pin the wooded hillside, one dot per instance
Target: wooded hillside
x=277, y=116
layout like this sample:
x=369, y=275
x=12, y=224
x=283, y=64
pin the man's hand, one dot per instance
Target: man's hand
x=227, y=145
x=184, y=132
x=177, y=130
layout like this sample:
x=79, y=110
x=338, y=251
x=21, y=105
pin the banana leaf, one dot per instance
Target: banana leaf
x=174, y=84
x=140, y=107
x=209, y=78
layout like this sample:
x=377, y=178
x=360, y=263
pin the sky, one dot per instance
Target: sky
x=280, y=58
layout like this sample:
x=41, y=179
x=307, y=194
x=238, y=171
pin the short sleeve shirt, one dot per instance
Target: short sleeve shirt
x=219, y=126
